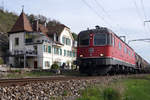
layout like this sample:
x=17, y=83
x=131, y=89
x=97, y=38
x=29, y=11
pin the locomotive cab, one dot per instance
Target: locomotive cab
x=93, y=50
x=93, y=43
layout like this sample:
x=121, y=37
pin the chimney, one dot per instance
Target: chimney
x=36, y=25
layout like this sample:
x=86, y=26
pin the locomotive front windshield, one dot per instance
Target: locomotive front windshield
x=100, y=39
x=84, y=39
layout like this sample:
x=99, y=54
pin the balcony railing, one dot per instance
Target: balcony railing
x=27, y=52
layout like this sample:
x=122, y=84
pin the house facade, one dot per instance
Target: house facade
x=38, y=46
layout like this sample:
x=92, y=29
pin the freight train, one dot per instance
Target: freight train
x=101, y=51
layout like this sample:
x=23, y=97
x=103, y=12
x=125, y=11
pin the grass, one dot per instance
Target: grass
x=38, y=74
x=42, y=73
x=137, y=89
x=18, y=74
x=124, y=89
x=91, y=94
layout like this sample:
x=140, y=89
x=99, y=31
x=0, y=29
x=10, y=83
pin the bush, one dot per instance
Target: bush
x=54, y=66
x=111, y=94
x=1, y=61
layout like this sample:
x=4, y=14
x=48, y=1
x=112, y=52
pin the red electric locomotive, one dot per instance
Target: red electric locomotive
x=100, y=51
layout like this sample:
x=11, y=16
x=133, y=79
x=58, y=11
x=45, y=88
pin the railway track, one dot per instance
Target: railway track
x=24, y=81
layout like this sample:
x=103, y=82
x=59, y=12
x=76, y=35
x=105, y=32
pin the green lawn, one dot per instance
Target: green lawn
x=124, y=89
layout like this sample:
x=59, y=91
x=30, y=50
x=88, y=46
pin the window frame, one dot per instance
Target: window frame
x=105, y=38
x=120, y=45
x=113, y=41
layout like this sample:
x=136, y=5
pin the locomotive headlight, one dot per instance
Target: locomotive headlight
x=81, y=55
x=101, y=55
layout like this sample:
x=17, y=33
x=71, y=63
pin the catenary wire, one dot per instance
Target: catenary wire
x=91, y=8
x=106, y=13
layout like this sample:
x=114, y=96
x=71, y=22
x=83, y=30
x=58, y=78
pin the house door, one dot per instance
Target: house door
x=35, y=64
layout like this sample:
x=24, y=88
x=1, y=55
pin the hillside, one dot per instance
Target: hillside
x=7, y=20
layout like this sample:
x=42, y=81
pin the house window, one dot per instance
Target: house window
x=63, y=40
x=16, y=41
x=56, y=51
x=49, y=49
x=68, y=42
x=64, y=52
x=74, y=54
x=28, y=38
x=47, y=64
x=60, y=51
x=68, y=53
x=45, y=48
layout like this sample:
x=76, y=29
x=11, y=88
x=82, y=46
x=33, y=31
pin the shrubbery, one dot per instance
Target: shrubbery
x=55, y=66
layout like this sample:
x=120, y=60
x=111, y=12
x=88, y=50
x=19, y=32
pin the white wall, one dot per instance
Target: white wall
x=12, y=45
x=61, y=58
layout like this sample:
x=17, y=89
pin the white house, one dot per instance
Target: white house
x=38, y=46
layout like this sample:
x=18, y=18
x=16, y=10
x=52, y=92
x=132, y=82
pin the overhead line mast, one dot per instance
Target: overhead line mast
x=145, y=40
x=145, y=17
x=140, y=16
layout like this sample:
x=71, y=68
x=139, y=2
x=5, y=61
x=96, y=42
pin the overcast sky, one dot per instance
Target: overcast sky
x=124, y=17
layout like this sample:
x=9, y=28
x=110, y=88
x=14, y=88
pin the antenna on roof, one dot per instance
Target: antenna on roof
x=22, y=8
